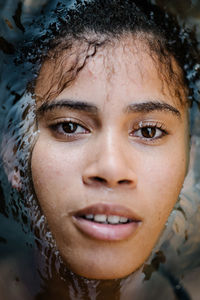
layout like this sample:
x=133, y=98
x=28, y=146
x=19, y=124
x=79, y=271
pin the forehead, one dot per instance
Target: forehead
x=124, y=66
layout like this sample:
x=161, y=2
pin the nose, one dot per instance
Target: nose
x=110, y=165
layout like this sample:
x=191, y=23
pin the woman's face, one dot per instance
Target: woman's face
x=110, y=160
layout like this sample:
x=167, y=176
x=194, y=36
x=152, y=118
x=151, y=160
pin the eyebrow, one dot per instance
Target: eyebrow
x=144, y=107
x=69, y=104
x=150, y=106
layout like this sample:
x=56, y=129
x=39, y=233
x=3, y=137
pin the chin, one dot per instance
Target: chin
x=103, y=275
x=105, y=271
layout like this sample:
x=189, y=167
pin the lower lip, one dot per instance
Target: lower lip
x=106, y=232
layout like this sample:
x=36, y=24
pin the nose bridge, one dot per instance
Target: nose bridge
x=112, y=154
x=110, y=161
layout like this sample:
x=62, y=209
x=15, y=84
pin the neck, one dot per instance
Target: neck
x=60, y=283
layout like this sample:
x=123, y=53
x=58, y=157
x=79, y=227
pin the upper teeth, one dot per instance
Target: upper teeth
x=112, y=219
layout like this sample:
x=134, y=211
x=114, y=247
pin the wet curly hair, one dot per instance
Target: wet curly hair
x=97, y=23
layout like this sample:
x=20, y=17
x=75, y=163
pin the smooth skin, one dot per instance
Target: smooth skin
x=126, y=145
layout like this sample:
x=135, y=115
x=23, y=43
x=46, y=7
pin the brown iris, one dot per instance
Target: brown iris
x=69, y=127
x=148, y=132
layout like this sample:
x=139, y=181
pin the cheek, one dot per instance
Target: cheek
x=56, y=172
x=55, y=164
x=161, y=182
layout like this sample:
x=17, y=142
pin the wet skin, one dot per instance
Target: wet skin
x=115, y=142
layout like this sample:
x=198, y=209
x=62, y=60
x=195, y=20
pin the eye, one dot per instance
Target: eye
x=69, y=128
x=149, y=132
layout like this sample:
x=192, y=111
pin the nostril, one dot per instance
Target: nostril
x=125, y=181
x=112, y=181
x=94, y=180
x=98, y=179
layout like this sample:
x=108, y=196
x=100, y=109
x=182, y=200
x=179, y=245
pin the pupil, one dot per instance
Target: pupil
x=69, y=127
x=148, y=132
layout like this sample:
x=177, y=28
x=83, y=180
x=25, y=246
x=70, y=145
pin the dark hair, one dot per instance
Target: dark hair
x=98, y=22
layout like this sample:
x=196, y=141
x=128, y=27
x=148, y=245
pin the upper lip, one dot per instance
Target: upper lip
x=108, y=209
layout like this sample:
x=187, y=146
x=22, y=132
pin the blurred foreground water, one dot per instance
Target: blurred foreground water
x=177, y=253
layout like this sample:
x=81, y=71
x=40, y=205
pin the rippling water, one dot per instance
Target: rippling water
x=176, y=257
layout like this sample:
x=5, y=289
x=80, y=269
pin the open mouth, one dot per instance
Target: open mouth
x=107, y=222
x=106, y=219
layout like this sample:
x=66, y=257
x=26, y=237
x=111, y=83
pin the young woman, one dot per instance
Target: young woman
x=112, y=150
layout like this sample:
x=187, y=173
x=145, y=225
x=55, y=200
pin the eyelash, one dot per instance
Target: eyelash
x=158, y=131
x=155, y=129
